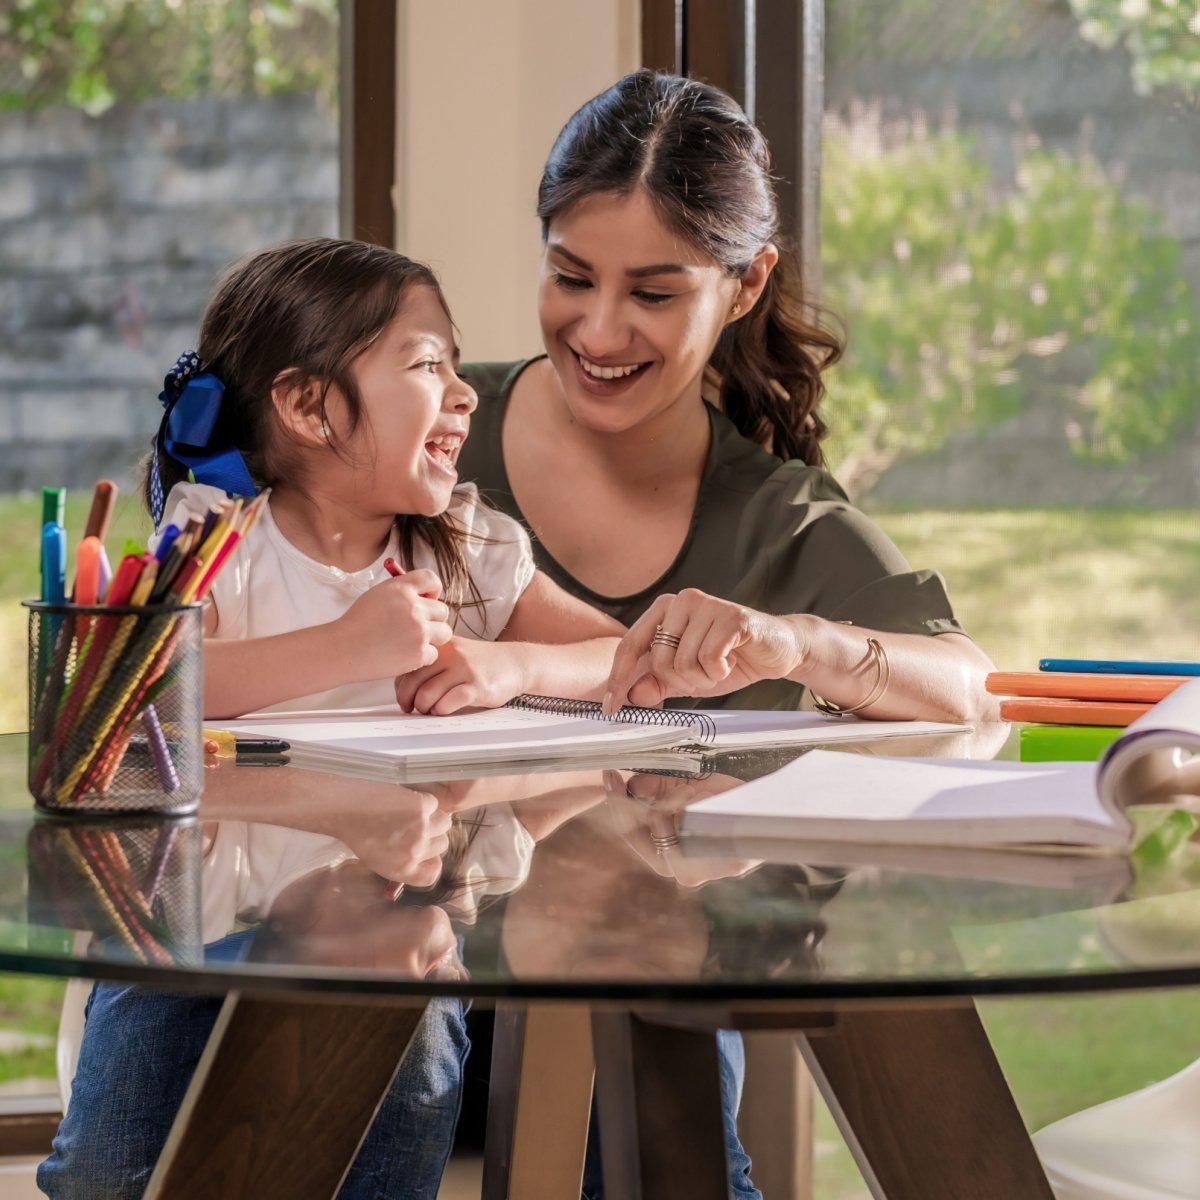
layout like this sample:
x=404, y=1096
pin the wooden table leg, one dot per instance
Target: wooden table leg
x=540, y=1102
x=658, y=1096
x=282, y=1098
x=922, y=1103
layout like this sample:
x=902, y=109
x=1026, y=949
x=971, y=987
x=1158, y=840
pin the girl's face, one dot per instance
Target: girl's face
x=630, y=312
x=415, y=413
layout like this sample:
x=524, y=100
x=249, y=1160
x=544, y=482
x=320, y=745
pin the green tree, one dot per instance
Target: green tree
x=1162, y=37
x=962, y=302
x=92, y=53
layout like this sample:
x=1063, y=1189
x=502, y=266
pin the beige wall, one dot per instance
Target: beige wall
x=484, y=86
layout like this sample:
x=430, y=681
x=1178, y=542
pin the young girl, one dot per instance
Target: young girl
x=327, y=371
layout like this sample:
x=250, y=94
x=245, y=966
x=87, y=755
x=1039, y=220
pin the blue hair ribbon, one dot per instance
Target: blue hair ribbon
x=192, y=399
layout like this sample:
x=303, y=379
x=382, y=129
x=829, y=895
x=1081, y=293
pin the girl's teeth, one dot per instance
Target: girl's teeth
x=607, y=372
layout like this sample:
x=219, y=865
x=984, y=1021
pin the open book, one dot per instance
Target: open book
x=384, y=742
x=830, y=797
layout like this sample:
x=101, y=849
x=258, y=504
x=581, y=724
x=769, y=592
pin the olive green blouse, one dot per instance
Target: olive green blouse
x=780, y=537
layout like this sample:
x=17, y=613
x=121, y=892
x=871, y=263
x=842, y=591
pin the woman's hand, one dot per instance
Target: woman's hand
x=396, y=626
x=467, y=674
x=722, y=647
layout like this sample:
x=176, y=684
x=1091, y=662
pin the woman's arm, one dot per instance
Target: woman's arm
x=724, y=646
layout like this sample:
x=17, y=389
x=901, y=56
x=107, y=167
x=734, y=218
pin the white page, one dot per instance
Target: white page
x=498, y=732
x=829, y=795
x=762, y=727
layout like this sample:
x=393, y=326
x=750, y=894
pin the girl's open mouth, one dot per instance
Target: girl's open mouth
x=443, y=451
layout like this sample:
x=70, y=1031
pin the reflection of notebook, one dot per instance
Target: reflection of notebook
x=1106, y=878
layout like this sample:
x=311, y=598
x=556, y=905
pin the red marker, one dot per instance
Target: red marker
x=395, y=569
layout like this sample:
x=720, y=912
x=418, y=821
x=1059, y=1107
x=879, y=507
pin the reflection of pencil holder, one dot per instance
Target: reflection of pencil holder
x=133, y=883
x=115, y=708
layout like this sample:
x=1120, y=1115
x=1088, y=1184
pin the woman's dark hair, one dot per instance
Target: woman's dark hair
x=707, y=170
x=307, y=309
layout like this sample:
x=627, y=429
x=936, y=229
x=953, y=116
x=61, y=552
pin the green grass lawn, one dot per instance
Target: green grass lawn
x=1025, y=584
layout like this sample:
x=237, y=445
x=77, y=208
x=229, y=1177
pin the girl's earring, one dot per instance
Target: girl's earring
x=736, y=309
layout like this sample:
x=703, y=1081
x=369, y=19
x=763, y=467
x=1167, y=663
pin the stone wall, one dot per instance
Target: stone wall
x=1074, y=99
x=113, y=231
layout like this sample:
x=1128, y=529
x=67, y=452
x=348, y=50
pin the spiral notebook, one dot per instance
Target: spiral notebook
x=385, y=742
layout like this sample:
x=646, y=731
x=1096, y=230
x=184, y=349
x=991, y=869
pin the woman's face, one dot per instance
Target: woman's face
x=630, y=312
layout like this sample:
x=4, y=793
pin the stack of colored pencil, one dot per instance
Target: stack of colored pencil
x=1075, y=715
x=113, y=657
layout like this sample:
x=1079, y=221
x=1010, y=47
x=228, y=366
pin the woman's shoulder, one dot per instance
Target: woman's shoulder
x=742, y=465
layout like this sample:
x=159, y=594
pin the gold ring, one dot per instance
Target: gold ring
x=662, y=638
x=662, y=844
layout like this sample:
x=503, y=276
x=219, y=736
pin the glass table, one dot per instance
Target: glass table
x=564, y=897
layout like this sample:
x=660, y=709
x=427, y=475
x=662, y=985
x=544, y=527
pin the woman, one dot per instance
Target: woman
x=663, y=279
x=709, y=527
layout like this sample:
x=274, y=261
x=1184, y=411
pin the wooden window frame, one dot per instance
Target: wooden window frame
x=769, y=55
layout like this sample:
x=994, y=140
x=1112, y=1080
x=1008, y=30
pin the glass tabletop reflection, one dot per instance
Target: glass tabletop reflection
x=570, y=881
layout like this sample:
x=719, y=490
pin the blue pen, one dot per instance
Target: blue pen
x=169, y=534
x=54, y=563
x=54, y=591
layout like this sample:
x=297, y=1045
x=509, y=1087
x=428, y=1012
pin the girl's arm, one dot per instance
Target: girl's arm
x=553, y=645
x=395, y=626
x=725, y=646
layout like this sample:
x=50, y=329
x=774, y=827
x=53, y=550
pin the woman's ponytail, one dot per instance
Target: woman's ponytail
x=769, y=364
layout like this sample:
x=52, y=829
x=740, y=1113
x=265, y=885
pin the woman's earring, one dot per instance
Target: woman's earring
x=325, y=431
x=736, y=309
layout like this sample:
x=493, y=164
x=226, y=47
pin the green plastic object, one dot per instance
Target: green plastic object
x=1066, y=743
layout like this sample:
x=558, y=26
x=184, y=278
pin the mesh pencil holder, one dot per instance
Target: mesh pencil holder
x=133, y=882
x=115, y=708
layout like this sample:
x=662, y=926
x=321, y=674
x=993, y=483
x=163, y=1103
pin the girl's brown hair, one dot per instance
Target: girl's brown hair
x=706, y=168
x=307, y=309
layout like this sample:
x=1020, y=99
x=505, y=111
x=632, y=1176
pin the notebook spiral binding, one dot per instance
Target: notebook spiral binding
x=705, y=727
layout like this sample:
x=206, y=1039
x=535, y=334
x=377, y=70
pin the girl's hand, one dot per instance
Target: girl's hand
x=396, y=626
x=467, y=674
x=722, y=647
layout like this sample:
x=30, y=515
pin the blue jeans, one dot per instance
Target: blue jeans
x=731, y=1061
x=140, y=1049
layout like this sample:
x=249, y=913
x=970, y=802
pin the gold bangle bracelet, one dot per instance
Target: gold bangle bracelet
x=882, y=679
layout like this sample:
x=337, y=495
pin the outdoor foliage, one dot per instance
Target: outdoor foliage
x=962, y=301
x=1162, y=37
x=92, y=53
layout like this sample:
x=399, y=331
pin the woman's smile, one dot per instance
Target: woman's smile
x=607, y=380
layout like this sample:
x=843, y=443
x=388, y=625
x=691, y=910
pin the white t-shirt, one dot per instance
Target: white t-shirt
x=268, y=586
